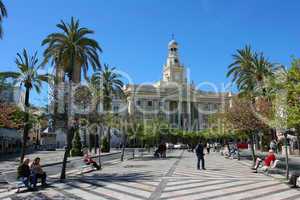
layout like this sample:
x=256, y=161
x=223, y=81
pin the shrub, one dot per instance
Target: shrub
x=105, y=146
x=76, y=145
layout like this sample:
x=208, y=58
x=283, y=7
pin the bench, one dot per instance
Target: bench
x=13, y=182
x=84, y=167
x=266, y=169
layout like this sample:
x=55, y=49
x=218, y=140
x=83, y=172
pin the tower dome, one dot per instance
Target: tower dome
x=172, y=44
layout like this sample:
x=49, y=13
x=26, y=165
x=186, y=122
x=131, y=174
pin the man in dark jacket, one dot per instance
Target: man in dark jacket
x=200, y=155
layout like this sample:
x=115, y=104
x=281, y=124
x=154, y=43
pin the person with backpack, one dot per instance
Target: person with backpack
x=200, y=155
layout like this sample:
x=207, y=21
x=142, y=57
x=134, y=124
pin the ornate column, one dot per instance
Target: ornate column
x=189, y=114
x=167, y=111
x=179, y=110
x=199, y=116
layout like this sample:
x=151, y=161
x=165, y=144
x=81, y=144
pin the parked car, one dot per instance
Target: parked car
x=180, y=146
x=170, y=146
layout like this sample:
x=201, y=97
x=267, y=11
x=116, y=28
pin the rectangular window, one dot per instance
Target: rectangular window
x=116, y=108
x=149, y=103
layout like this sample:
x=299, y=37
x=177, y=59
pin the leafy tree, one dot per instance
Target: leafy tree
x=11, y=117
x=246, y=118
x=3, y=14
x=29, y=77
x=72, y=51
x=293, y=89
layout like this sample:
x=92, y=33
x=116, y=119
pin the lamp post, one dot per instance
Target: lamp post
x=286, y=133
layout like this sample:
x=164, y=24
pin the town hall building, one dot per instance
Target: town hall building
x=179, y=102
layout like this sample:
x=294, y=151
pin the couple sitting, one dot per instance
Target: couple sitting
x=161, y=151
x=29, y=174
x=268, y=161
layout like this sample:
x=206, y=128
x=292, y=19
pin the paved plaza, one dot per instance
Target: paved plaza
x=173, y=178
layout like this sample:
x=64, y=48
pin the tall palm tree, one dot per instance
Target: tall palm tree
x=29, y=77
x=239, y=70
x=250, y=71
x=3, y=13
x=72, y=51
x=111, y=86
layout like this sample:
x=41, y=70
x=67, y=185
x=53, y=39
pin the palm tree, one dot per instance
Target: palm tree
x=111, y=86
x=29, y=77
x=72, y=51
x=250, y=71
x=239, y=69
x=3, y=13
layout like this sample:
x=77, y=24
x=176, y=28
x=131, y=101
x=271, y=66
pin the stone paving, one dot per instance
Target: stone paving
x=172, y=178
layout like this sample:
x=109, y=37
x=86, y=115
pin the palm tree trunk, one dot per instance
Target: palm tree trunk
x=90, y=142
x=287, y=169
x=96, y=143
x=100, y=133
x=26, y=126
x=108, y=138
x=298, y=139
x=252, y=148
x=69, y=133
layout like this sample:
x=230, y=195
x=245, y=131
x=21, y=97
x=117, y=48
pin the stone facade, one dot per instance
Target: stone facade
x=179, y=102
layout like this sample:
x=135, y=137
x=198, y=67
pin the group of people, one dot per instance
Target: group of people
x=29, y=173
x=161, y=151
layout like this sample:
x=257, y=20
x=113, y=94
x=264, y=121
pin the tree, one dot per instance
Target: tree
x=72, y=51
x=29, y=77
x=105, y=146
x=253, y=73
x=293, y=91
x=249, y=71
x=76, y=145
x=111, y=85
x=3, y=14
x=246, y=118
x=11, y=117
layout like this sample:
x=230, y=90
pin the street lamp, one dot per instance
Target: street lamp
x=286, y=133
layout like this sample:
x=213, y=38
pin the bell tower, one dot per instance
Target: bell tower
x=173, y=71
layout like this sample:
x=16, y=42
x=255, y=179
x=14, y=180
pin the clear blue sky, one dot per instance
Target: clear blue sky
x=134, y=33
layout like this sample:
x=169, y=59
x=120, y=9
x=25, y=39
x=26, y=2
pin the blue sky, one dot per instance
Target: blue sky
x=134, y=33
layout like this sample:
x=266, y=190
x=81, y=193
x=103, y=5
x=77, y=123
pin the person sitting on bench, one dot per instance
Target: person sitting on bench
x=268, y=161
x=293, y=179
x=88, y=161
x=24, y=174
x=38, y=172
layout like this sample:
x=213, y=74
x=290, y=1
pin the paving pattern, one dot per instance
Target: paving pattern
x=173, y=178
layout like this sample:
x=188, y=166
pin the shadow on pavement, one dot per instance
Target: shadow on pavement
x=132, y=177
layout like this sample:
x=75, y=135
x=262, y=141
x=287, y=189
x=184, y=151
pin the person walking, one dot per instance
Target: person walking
x=200, y=155
x=208, y=148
